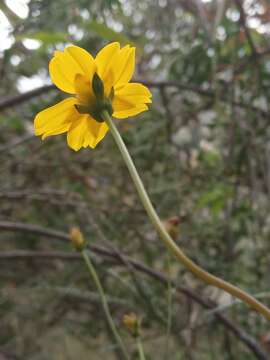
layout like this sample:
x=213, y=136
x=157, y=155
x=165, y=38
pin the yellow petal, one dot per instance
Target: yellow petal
x=83, y=59
x=56, y=119
x=65, y=65
x=115, y=65
x=131, y=93
x=120, y=104
x=60, y=77
x=99, y=130
x=83, y=89
x=85, y=132
x=122, y=114
x=133, y=89
x=108, y=82
x=104, y=58
x=130, y=100
x=123, y=64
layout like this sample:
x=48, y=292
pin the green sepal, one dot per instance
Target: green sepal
x=83, y=109
x=96, y=110
x=98, y=87
x=100, y=104
x=99, y=107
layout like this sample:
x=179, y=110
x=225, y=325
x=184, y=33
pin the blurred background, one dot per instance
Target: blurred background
x=203, y=151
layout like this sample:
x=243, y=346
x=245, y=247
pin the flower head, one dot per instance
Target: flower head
x=96, y=84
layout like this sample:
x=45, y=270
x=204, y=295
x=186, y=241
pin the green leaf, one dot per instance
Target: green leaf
x=108, y=33
x=47, y=38
x=215, y=198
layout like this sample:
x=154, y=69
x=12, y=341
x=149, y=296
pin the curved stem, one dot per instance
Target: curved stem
x=105, y=306
x=168, y=241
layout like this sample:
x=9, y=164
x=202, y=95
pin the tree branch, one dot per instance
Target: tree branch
x=116, y=257
x=21, y=98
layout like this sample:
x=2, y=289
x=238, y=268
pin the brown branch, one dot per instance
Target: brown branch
x=50, y=196
x=16, y=142
x=243, y=24
x=41, y=255
x=19, y=99
x=115, y=256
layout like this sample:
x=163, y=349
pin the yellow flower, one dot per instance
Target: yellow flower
x=96, y=84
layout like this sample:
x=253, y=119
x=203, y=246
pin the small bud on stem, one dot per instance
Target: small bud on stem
x=132, y=324
x=77, y=238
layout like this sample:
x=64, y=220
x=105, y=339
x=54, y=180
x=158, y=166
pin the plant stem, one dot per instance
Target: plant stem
x=140, y=348
x=105, y=306
x=168, y=241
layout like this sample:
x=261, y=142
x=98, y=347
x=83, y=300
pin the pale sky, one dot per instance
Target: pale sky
x=20, y=8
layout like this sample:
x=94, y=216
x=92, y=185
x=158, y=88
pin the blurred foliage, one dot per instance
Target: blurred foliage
x=204, y=154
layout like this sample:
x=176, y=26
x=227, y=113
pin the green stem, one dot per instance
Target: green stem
x=105, y=306
x=168, y=241
x=140, y=348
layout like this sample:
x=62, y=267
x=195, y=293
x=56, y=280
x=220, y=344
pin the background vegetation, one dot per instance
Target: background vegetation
x=204, y=154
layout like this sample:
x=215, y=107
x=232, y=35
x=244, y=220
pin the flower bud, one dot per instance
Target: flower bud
x=172, y=226
x=132, y=324
x=77, y=238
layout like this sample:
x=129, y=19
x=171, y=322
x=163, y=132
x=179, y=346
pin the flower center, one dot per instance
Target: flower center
x=101, y=103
